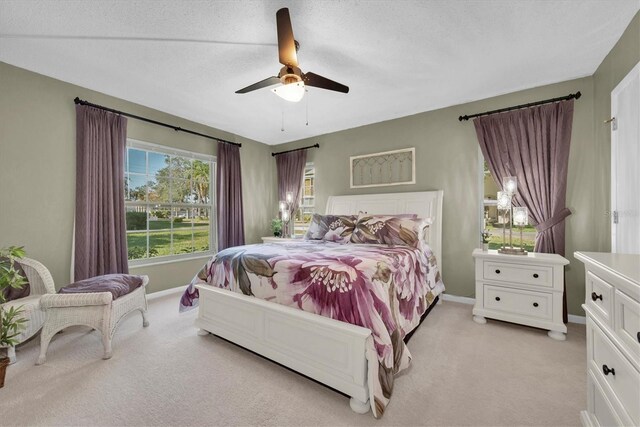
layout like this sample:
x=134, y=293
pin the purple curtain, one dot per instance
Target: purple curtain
x=100, y=229
x=229, y=196
x=290, y=171
x=532, y=144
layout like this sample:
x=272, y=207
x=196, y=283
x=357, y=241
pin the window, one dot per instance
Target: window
x=494, y=221
x=169, y=202
x=307, y=201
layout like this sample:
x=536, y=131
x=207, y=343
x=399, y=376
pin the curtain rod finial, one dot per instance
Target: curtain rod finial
x=578, y=95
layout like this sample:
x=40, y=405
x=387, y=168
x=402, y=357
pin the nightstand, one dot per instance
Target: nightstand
x=273, y=239
x=523, y=289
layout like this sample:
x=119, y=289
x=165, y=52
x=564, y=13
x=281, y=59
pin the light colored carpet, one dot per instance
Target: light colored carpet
x=462, y=374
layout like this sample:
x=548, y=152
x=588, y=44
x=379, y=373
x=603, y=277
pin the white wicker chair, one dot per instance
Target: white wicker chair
x=40, y=283
x=96, y=310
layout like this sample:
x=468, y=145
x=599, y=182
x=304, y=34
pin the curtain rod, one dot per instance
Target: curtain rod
x=155, y=122
x=297, y=149
x=576, y=95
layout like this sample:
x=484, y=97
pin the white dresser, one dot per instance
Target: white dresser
x=524, y=289
x=612, y=307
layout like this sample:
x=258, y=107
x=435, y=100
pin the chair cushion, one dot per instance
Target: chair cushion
x=117, y=284
x=11, y=294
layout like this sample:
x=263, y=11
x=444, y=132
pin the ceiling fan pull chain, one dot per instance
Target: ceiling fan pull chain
x=282, y=127
x=307, y=101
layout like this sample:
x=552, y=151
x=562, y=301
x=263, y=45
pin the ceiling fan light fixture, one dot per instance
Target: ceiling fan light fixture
x=292, y=92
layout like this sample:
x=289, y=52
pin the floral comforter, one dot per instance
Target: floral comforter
x=383, y=288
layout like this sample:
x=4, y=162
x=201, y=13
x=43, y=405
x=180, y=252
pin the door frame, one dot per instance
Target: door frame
x=635, y=71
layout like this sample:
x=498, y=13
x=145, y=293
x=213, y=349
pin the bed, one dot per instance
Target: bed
x=291, y=302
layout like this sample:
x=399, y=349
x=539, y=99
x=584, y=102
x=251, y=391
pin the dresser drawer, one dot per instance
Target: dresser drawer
x=599, y=296
x=517, y=301
x=518, y=273
x=627, y=323
x=599, y=405
x=610, y=365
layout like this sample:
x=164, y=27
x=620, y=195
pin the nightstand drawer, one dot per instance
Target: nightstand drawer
x=627, y=323
x=518, y=273
x=599, y=296
x=538, y=305
x=610, y=365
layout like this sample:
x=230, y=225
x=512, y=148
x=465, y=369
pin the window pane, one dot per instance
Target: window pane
x=158, y=164
x=136, y=217
x=159, y=188
x=181, y=191
x=162, y=182
x=201, y=192
x=201, y=229
x=160, y=232
x=135, y=188
x=180, y=167
x=137, y=161
x=182, y=231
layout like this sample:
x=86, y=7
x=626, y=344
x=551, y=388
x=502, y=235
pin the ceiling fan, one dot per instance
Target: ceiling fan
x=291, y=79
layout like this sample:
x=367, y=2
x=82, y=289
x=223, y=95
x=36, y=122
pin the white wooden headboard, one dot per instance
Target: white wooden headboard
x=426, y=204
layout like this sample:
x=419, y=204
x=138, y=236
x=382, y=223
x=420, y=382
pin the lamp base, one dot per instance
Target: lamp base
x=512, y=251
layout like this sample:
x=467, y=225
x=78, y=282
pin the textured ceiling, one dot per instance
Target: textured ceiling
x=398, y=57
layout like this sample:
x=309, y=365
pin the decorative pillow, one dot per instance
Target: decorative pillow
x=389, y=230
x=11, y=294
x=333, y=228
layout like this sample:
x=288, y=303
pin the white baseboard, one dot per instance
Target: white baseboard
x=160, y=294
x=577, y=319
x=455, y=298
x=572, y=318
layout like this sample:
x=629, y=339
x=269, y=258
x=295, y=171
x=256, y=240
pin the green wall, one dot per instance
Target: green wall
x=447, y=158
x=37, y=170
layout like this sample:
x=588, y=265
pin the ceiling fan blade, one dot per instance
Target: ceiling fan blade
x=311, y=79
x=286, y=43
x=269, y=81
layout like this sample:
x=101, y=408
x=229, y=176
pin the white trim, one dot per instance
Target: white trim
x=164, y=149
x=159, y=294
x=133, y=263
x=573, y=318
x=635, y=71
x=581, y=320
x=456, y=298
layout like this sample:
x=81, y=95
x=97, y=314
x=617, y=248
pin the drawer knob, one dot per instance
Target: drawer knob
x=595, y=296
x=535, y=275
x=608, y=370
x=497, y=298
x=535, y=304
x=497, y=271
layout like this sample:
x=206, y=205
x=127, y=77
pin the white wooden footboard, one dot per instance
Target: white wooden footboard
x=324, y=349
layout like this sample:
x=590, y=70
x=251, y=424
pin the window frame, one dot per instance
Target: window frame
x=308, y=165
x=213, y=238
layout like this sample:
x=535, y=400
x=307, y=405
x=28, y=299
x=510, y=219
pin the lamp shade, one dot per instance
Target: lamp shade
x=289, y=197
x=504, y=200
x=292, y=92
x=285, y=216
x=520, y=216
x=282, y=205
x=510, y=185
